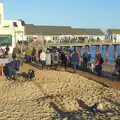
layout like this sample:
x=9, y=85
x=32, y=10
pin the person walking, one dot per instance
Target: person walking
x=43, y=59
x=48, y=59
x=74, y=61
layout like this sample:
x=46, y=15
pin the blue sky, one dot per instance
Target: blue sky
x=76, y=13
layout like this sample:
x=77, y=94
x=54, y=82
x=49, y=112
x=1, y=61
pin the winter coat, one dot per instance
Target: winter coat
x=48, y=59
x=43, y=56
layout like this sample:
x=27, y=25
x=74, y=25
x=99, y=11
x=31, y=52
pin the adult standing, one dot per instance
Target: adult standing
x=7, y=49
x=64, y=60
x=85, y=59
x=74, y=60
x=117, y=65
x=99, y=63
x=55, y=59
x=34, y=55
x=43, y=59
x=28, y=54
x=48, y=59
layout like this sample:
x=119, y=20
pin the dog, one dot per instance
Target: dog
x=91, y=66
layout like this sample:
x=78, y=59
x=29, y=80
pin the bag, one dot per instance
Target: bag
x=97, y=62
x=55, y=58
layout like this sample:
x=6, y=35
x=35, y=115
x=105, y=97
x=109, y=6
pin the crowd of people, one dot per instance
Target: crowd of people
x=56, y=57
x=66, y=58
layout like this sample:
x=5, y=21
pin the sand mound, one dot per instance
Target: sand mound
x=53, y=95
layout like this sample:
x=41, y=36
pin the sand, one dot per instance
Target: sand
x=31, y=100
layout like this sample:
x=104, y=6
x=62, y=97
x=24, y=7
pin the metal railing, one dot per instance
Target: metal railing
x=81, y=43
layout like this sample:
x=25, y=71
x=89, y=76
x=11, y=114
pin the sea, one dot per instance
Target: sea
x=103, y=51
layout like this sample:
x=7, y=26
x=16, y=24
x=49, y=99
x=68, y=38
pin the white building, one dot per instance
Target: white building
x=8, y=33
x=49, y=33
x=88, y=34
x=113, y=35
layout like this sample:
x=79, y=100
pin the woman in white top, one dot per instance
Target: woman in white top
x=43, y=59
x=48, y=59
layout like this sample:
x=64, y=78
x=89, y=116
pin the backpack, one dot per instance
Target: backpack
x=55, y=58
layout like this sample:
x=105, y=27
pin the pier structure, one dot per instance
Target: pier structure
x=87, y=47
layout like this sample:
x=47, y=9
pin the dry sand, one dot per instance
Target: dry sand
x=30, y=100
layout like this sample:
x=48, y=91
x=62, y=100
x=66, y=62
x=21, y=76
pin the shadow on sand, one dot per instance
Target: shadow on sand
x=86, y=113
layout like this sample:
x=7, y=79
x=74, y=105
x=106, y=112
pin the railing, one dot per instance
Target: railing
x=82, y=43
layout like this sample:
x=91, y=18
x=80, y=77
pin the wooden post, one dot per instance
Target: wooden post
x=106, y=53
x=97, y=49
x=88, y=48
x=115, y=52
x=79, y=51
x=85, y=48
x=74, y=48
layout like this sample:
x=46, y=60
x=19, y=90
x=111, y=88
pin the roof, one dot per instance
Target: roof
x=77, y=31
x=114, y=31
x=31, y=29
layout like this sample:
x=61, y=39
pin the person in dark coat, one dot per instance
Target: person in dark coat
x=74, y=60
x=7, y=49
x=64, y=60
x=85, y=59
x=99, y=63
x=11, y=69
x=117, y=65
x=34, y=55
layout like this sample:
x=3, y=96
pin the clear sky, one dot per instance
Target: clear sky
x=76, y=13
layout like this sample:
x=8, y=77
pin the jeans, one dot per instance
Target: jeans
x=28, y=58
x=43, y=64
x=116, y=69
x=34, y=58
x=98, y=68
x=74, y=66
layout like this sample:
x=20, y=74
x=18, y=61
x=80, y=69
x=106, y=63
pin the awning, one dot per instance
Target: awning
x=5, y=40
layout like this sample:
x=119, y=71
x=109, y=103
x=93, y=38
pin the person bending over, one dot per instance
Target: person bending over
x=10, y=69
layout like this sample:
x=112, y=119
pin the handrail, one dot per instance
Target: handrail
x=87, y=43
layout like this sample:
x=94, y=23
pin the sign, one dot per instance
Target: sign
x=34, y=38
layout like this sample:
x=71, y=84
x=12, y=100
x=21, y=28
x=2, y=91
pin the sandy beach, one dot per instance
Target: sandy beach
x=54, y=95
